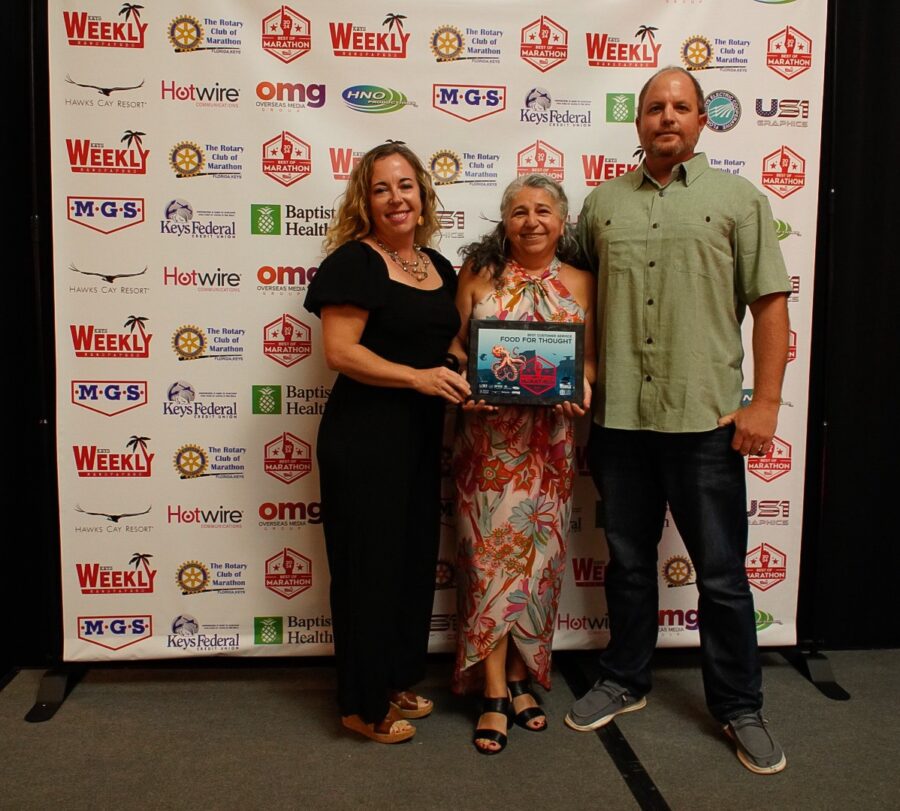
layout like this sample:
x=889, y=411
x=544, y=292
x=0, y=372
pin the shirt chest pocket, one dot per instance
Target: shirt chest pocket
x=699, y=245
x=622, y=245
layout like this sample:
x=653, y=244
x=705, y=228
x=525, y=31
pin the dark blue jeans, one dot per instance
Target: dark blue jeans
x=702, y=479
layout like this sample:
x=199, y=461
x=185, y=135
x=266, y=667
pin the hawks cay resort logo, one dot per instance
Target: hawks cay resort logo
x=543, y=159
x=109, y=397
x=275, y=220
x=468, y=102
x=190, y=342
x=92, y=30
x=544, y=44
x=93, y=157
x=782, y=112
x=288, y=97
x=606, y=51
x=287, y=340
x=111, y=522
x=789, y=52
x=93, y=462
x=355, y=40
x=286, y=158
x=105, y=91
x=473, y=168
x=450, y=44
x=221, y=161
x=201, y=95
x=720, y=53
x=222, y=577
x=283, y=280
x=115, y=631
x=203, y=281
x=194, y=461
x=287, y=458
x=275, y=399
x=99, y=578
x=189, y=635
x=220, y=35
x=542, y=109
x=180, y=219
x=185, y=402
x=369, y=98
x=106, y=215
x=110, y=279
x=286, y=34
x=90, y=341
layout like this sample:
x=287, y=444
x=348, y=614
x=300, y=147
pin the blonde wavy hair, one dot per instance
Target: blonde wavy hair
x=351, y=220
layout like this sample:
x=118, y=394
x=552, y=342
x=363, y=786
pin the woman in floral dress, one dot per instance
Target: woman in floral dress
x=514, y=465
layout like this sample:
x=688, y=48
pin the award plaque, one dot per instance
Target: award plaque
x=526, y=362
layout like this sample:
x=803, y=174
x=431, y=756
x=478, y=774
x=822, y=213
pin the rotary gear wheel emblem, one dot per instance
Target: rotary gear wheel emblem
x=447, y=43
x=191, y=461
x=445, y=167
x=189, y=342
x=187, y=159
x=696, y=52
x=185, y=33
x=678, y=571
x=192, y=577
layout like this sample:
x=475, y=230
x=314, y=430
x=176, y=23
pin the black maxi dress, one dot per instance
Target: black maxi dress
x=379, y=454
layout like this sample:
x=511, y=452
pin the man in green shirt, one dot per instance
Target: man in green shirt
x=682, y=251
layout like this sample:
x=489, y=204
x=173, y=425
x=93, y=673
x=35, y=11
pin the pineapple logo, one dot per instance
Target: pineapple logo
x=265, y=220
x=266, y=399
x=268, y=630
x=620, y=108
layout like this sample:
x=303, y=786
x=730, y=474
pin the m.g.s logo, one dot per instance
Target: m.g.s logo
x=115, y=632
x=469, y=102
x=105, y=215
x=109, y=397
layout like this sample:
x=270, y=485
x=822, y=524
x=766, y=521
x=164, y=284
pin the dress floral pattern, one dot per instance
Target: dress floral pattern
x=514, y=471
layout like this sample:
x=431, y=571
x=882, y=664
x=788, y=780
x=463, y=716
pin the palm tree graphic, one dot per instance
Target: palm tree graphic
x=638, y=153
x=136, y=442
x=136, y=321
x=138, y=558
x=129, y=10
x=131, y=135
x=646, y=31
x=391, y=20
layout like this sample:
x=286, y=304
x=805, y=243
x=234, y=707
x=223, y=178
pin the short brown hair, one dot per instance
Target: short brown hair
x=701, y=99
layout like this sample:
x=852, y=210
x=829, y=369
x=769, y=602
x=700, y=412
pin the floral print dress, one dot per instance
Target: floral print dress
x=514, y=471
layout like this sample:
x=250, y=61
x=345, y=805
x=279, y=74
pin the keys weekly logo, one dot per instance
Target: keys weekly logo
x=92, y=30
x=93, y=462
x=353, y=40
x=90, y=156
x=605, y=51
x=90, y=341
x=97, y=578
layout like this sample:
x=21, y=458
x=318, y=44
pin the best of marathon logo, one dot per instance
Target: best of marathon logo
x=105, y=92
x=544, y=44
x=115, y=631
x=287, y=458
x=276, y=399
x=89, y=341
x=193, y=461
x=288, y=573
x=220, y=517
x=289, y=515
x=605, y=51
x=273, y=220
x=106, y=215
x=783, y=172
x=474, y=168
x=286, y=34
x=448, y=44
x=194, y=577
x=97, y=578
x=109, y=397
x=782, y=112
x=283, y=279
x=189, y=635
x=90, y=156
x=187, y=34
x=353, y=40
x=289, y=97
x=92, y=30
x=203, y=281
x=181, y=220
x=92, y=461
x=698, y=53
x=110, y=279
x=766, y=566
x=286, y=158
x=222, y=161
x=539, y=110
x=468, y=102
x=286, y=340
x=313, y=631
x=190, y=342
x=213, y=95
x=600, y=168
x=541, y=158
x=789, y=52
x=774, y=464
x=184, y=401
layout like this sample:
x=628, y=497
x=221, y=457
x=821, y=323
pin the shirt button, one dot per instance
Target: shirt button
x=649, y=340
x=650, y=301
x=648, y=378
x=662, y=194
x=656, y=225
x=653, y=264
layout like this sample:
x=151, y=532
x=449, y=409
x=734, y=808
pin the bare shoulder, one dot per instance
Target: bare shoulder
x=476, y=283
x=580, y=283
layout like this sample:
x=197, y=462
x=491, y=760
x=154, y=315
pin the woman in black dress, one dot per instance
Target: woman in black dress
x=388, y=316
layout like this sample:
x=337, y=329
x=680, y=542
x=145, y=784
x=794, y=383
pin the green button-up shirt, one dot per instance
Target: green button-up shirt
x=677, y=266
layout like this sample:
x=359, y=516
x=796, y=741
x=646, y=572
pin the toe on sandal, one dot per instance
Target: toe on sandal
x=410, y=705
x=392, y=729
x=521, y=719
x=501, y=707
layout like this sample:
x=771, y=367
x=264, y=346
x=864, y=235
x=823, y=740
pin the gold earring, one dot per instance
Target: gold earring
x=420, y=221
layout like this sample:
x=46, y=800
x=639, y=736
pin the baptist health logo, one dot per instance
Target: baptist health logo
x=620, y=108
x=265, y=220
x=268, y=630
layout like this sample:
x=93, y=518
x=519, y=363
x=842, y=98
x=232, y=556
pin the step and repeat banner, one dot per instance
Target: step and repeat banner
x=199, y=150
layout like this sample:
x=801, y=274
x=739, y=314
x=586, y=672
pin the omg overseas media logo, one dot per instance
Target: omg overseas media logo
x=92, y=461
x=449, y=44
x=194, y=461
x=195, y=577
x=183, y=401
x=105, y=215
x=289, y=97
x=720, y=53
x=606, y=51
x=282, y=280
x=600, y=168
x=109, y=397
x=287, y=458
x=766, y=566
x=541, y=158
x=286, y=158
x=221, y=161
x=90, y=341
x=115, y=631
x=789, y=52
x=275, y=399
x=286, y=34
x=287, y=340
x=187, y=634
x=677, y=620
x=446, y=168
x=190, y=342
x=353, y=40
x=289, y=515
x=180, y=219
x=783, y=171
x=468, y=102
x=774, y=464
x=544, y=44
x=288, y=573
x=99, y=578
x=92, y=157
x=92, y=30
x=220, y=35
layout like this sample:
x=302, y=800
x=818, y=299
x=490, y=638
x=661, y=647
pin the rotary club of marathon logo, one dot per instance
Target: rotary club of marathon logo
x=188, y=35
x=287, y=458
x=678, y=571
x=188, y=160
x=190, y=342
x=541, y=158
x=193, y=461
x=286, y=34
x=447, y=43
x=544, y=44
x=287, y=340
x=783, y=172
x=286, y=158
x=288, y=573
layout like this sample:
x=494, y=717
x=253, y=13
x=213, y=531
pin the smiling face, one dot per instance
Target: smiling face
x=395, y=201
x=670, y=120
x=533, y=227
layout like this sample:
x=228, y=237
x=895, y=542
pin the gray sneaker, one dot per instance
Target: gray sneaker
x=603, y=702
x=756, y=748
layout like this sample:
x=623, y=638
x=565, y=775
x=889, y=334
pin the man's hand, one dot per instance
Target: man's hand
x=754, y=427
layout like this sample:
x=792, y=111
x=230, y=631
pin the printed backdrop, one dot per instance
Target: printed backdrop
x=198, y=152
